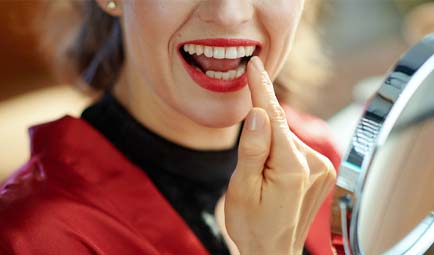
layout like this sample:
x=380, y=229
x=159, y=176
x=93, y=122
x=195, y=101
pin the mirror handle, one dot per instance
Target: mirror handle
x=345, y=204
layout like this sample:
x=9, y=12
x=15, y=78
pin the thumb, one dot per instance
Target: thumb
x=255, y=142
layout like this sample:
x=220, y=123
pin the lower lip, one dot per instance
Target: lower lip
x=212, y=84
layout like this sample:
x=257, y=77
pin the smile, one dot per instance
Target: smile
x=218, y=64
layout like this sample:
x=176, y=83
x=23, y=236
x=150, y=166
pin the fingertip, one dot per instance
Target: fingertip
x=256, y=63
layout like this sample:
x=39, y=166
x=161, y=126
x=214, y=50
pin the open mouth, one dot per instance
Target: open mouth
x=223, y=63
x=218, y=64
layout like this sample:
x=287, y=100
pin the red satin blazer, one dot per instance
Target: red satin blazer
x=79, y=195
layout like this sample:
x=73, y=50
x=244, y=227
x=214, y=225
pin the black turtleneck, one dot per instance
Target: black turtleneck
x=191, y=180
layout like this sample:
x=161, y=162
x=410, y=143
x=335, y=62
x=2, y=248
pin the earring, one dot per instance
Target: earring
x=111, y=5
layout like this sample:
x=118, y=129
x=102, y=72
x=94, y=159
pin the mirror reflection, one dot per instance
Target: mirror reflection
x=398, y=193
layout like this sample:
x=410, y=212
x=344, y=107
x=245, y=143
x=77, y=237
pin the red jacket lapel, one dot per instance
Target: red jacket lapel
x=113, y=183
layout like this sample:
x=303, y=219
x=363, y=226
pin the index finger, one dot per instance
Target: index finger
x=283, y=153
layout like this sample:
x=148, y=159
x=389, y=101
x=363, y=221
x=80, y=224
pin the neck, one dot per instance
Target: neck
x=156, y=115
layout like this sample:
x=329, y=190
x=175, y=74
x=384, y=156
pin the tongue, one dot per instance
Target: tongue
x=221, y=65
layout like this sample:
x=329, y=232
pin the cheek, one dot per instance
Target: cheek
x=149, y=26
x=281, y=16
x=280, y=22
x=157, y=21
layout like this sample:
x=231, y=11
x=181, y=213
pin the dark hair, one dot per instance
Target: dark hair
x=94, y=51
x=81, y=42
x=98, y=50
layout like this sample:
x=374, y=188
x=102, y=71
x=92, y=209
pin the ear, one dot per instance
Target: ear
x=111, y=7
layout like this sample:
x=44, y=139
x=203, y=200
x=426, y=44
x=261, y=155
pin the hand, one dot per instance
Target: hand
x=279, y=182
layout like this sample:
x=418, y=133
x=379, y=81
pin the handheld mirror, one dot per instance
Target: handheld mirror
x=389, y=164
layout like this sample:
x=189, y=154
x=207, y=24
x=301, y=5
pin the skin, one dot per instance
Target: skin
x=155, y=87
x=279, y=182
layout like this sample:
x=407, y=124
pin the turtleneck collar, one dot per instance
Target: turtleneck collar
x=211, y=168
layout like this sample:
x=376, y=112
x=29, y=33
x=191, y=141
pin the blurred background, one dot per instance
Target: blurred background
x=361, y=40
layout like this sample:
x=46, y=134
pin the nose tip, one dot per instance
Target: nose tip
x=227, y=13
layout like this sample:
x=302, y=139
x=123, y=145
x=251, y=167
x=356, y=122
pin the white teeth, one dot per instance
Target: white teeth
x=220, y=52
x=218, y=75
x=229, y=75
x=241, y=51
x=210, y=73
x=208, y=51
x=241, y=70
x=199, y=50
x=231, y=53
x=191, y=49
x=232, y=74
x=225, y=76
x=250, y=50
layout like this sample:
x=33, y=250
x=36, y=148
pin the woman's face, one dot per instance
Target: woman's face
x=190, y=54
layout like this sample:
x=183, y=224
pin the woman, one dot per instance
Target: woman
x=192, y=72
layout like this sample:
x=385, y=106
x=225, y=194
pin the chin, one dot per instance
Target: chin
x=211, y=109
x=220, y=118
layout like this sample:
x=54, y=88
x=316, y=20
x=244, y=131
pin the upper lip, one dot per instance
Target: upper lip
x=222, y=42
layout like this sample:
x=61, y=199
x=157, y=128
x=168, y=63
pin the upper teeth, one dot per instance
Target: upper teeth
x=220, y=52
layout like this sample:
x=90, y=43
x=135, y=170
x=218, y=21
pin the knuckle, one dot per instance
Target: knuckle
x=324, y=162
x=323, y=172
x=252, y=149
x=301, y=163
x=305, y=175
x=265, y=79
x=332, y=174
x=277, y=114
x=327, y=170
x=320, y=162
x=328, y=167
x=302, y=172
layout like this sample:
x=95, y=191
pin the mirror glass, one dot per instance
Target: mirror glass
x=399, y=191
x=389, y=166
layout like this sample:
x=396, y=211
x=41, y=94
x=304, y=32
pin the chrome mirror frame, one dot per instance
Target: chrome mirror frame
x=372, y=131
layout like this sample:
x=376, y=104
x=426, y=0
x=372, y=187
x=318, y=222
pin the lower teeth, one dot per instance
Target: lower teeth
x=228, y=75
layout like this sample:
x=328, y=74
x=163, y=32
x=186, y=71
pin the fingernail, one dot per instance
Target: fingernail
x=257, y=63
x=254, y=121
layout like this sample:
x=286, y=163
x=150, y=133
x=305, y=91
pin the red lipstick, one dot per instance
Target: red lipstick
x=214, y=84
x=223, y=42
